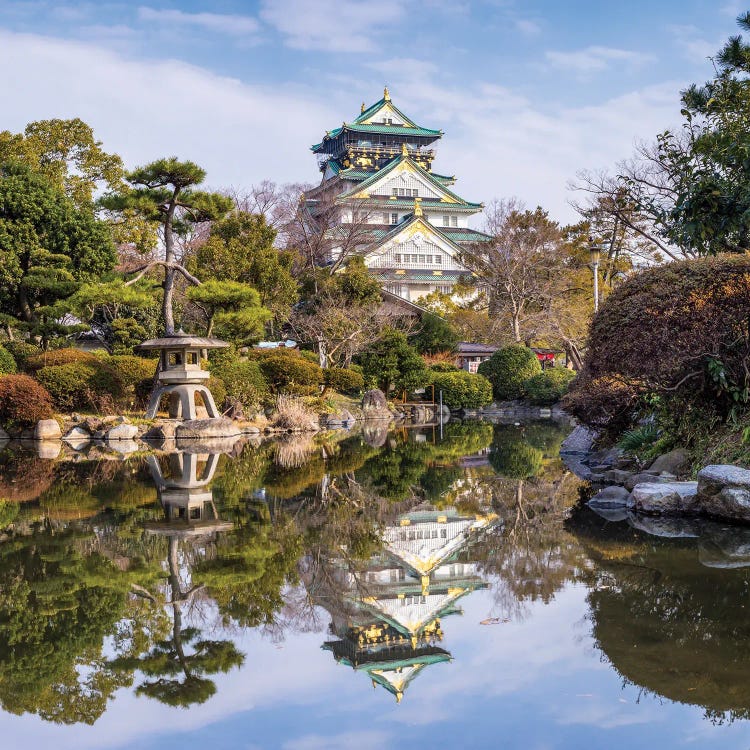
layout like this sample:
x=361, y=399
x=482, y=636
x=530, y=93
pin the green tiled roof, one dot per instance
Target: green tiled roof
x=402, y=203
x=443, y=178
x=372, y=109
x=395, y=162
x=463, y=234
x=417, y=275
x=378, y=130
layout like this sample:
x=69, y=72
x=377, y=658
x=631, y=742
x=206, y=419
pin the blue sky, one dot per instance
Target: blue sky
x=526, y=92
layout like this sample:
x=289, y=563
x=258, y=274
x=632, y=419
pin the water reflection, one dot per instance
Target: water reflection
x=145, y=576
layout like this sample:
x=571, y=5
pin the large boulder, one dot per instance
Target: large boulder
x=634, y=479
x=664, y=498
x=374, y=404
x=675, y=462
x=725, y=547
x=610, y=497
x=47, y=429
x=122, y=431
x=724, y=492
x=200, y=429
x=667, y=527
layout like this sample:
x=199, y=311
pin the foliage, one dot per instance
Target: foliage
x=283, y=368
x=23, y=401
x=444, y=367
x=548, y=387
x=639, y=438
x=291, y=413
x=435, y=334
x=243, y=381
x=233, y=308
x=343, y=380
x=21, y=351
x=48, y=246
x=462, y=390
x=218, y=391
x=66, y=153
x=130, y=370
x=606, y=401
x=508, y=369
x=7, y=362
x=74, y=385
x=694, y=343
x=55, y=357
x=390, y=362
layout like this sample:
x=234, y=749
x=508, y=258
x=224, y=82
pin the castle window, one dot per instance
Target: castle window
x=446, y=221
x=394, y=191
x=385, y=218
x=414, y=259
x=415, y=192
x=454, y=221
x=398, y=257
x=439, y=259
x=421, y=259
x=394, y=218
x=401, y=191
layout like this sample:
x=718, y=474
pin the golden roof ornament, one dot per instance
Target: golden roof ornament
x=418, y=212
x=404, y=150
x=363, y=108
x=386, y=94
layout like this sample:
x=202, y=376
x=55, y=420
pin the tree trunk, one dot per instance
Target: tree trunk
x=517, y=327
x=169, y=270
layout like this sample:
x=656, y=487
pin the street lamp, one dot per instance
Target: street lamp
x=595, y=254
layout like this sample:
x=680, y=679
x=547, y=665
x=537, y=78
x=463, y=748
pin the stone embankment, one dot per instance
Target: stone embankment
x=660, y=489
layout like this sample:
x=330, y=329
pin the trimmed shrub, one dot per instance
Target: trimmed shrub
x=218, y=390
x=309, y=356
x=131, y=370
x=56, y=357
x=444, y=367
x=343, y=380
x=602, y=402
x=7, y=363
x=23, y=401
x=548, y=387
x=21, y=351
x=462, y=390
x=508, y=368
x=76, y=385
x=285, y=368
x=243, y=381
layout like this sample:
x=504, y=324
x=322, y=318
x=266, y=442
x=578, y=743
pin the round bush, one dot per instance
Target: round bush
x=284, y=368
x=462, y=390
x=7, y=363
x=132, y=370
x=23, y=401
x=443, y=367
x=243, y=381
x=508, y=368
x=56, y=357
x=602, y=402
x=548, y=387
x=21, y=351
x=343, y=380
x=72, y=385
x=512, y=456
x=218, y=390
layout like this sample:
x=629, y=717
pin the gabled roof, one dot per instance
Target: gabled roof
x=384, y=103
x=377, y=130
x=388, y=168
x=428, y=228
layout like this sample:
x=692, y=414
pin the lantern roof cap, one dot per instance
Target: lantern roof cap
x=181, y=339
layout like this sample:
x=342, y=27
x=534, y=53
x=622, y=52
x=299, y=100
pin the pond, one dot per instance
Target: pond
x=418, y=588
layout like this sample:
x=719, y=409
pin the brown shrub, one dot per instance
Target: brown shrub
x=292, y=414
x=57, y=357
x=601, y=402
x=23, y=401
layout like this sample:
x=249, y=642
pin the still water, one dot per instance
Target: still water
x=378, y=590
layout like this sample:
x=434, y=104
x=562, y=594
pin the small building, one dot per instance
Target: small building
x=181, y=376
x=546, y=357
x=470, y=355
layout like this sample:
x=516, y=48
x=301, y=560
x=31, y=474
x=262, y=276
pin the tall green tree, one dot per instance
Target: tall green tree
x=67, y=154
x=391, y=362
x=164, y=192
x=48, y=247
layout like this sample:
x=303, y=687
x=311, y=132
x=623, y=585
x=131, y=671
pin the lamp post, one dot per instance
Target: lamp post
x=595, y=254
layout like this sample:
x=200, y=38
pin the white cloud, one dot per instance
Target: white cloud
x=331, y=25
x=233, y=25
x=693, y=46
x=595, y=59
x=366, y=739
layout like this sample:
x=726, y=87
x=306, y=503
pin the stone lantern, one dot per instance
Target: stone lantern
x=181, y=376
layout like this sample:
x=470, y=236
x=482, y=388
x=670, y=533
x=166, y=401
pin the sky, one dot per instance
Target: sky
x=527, y=92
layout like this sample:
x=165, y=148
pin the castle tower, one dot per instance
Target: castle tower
x=377, y=172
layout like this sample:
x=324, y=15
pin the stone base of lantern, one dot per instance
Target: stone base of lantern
x=182, y=401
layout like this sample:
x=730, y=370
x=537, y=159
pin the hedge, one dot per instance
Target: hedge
x=131, y=370
x=56, y=357
x=243, y=381
x=548, y=387
x=7, y=363
x=23, y=401
x=282, y=369
x=508, y=368
x=21, y=351
x=343, y=380
x=461, y=389
x=72, y=385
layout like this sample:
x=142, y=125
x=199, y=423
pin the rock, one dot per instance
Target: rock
x=47, y=429
x=374, y=401
x=199, y=429
x=250, y=430
x=675, y=462
x=122, y=431
x=375, y=433
x=724, y=492
x=670, y=528
x=645, y=477
x=161, y=431
x=77, y=438
x=334, y=424
x=346, y=416
x=664, y=498
x=48, y=448
x=612, y=515
x=216, y=444
x=610, y=497
x=124, y=447
x=120, y=420
x=725, y=547
x=577, y=443
x=617, y=476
